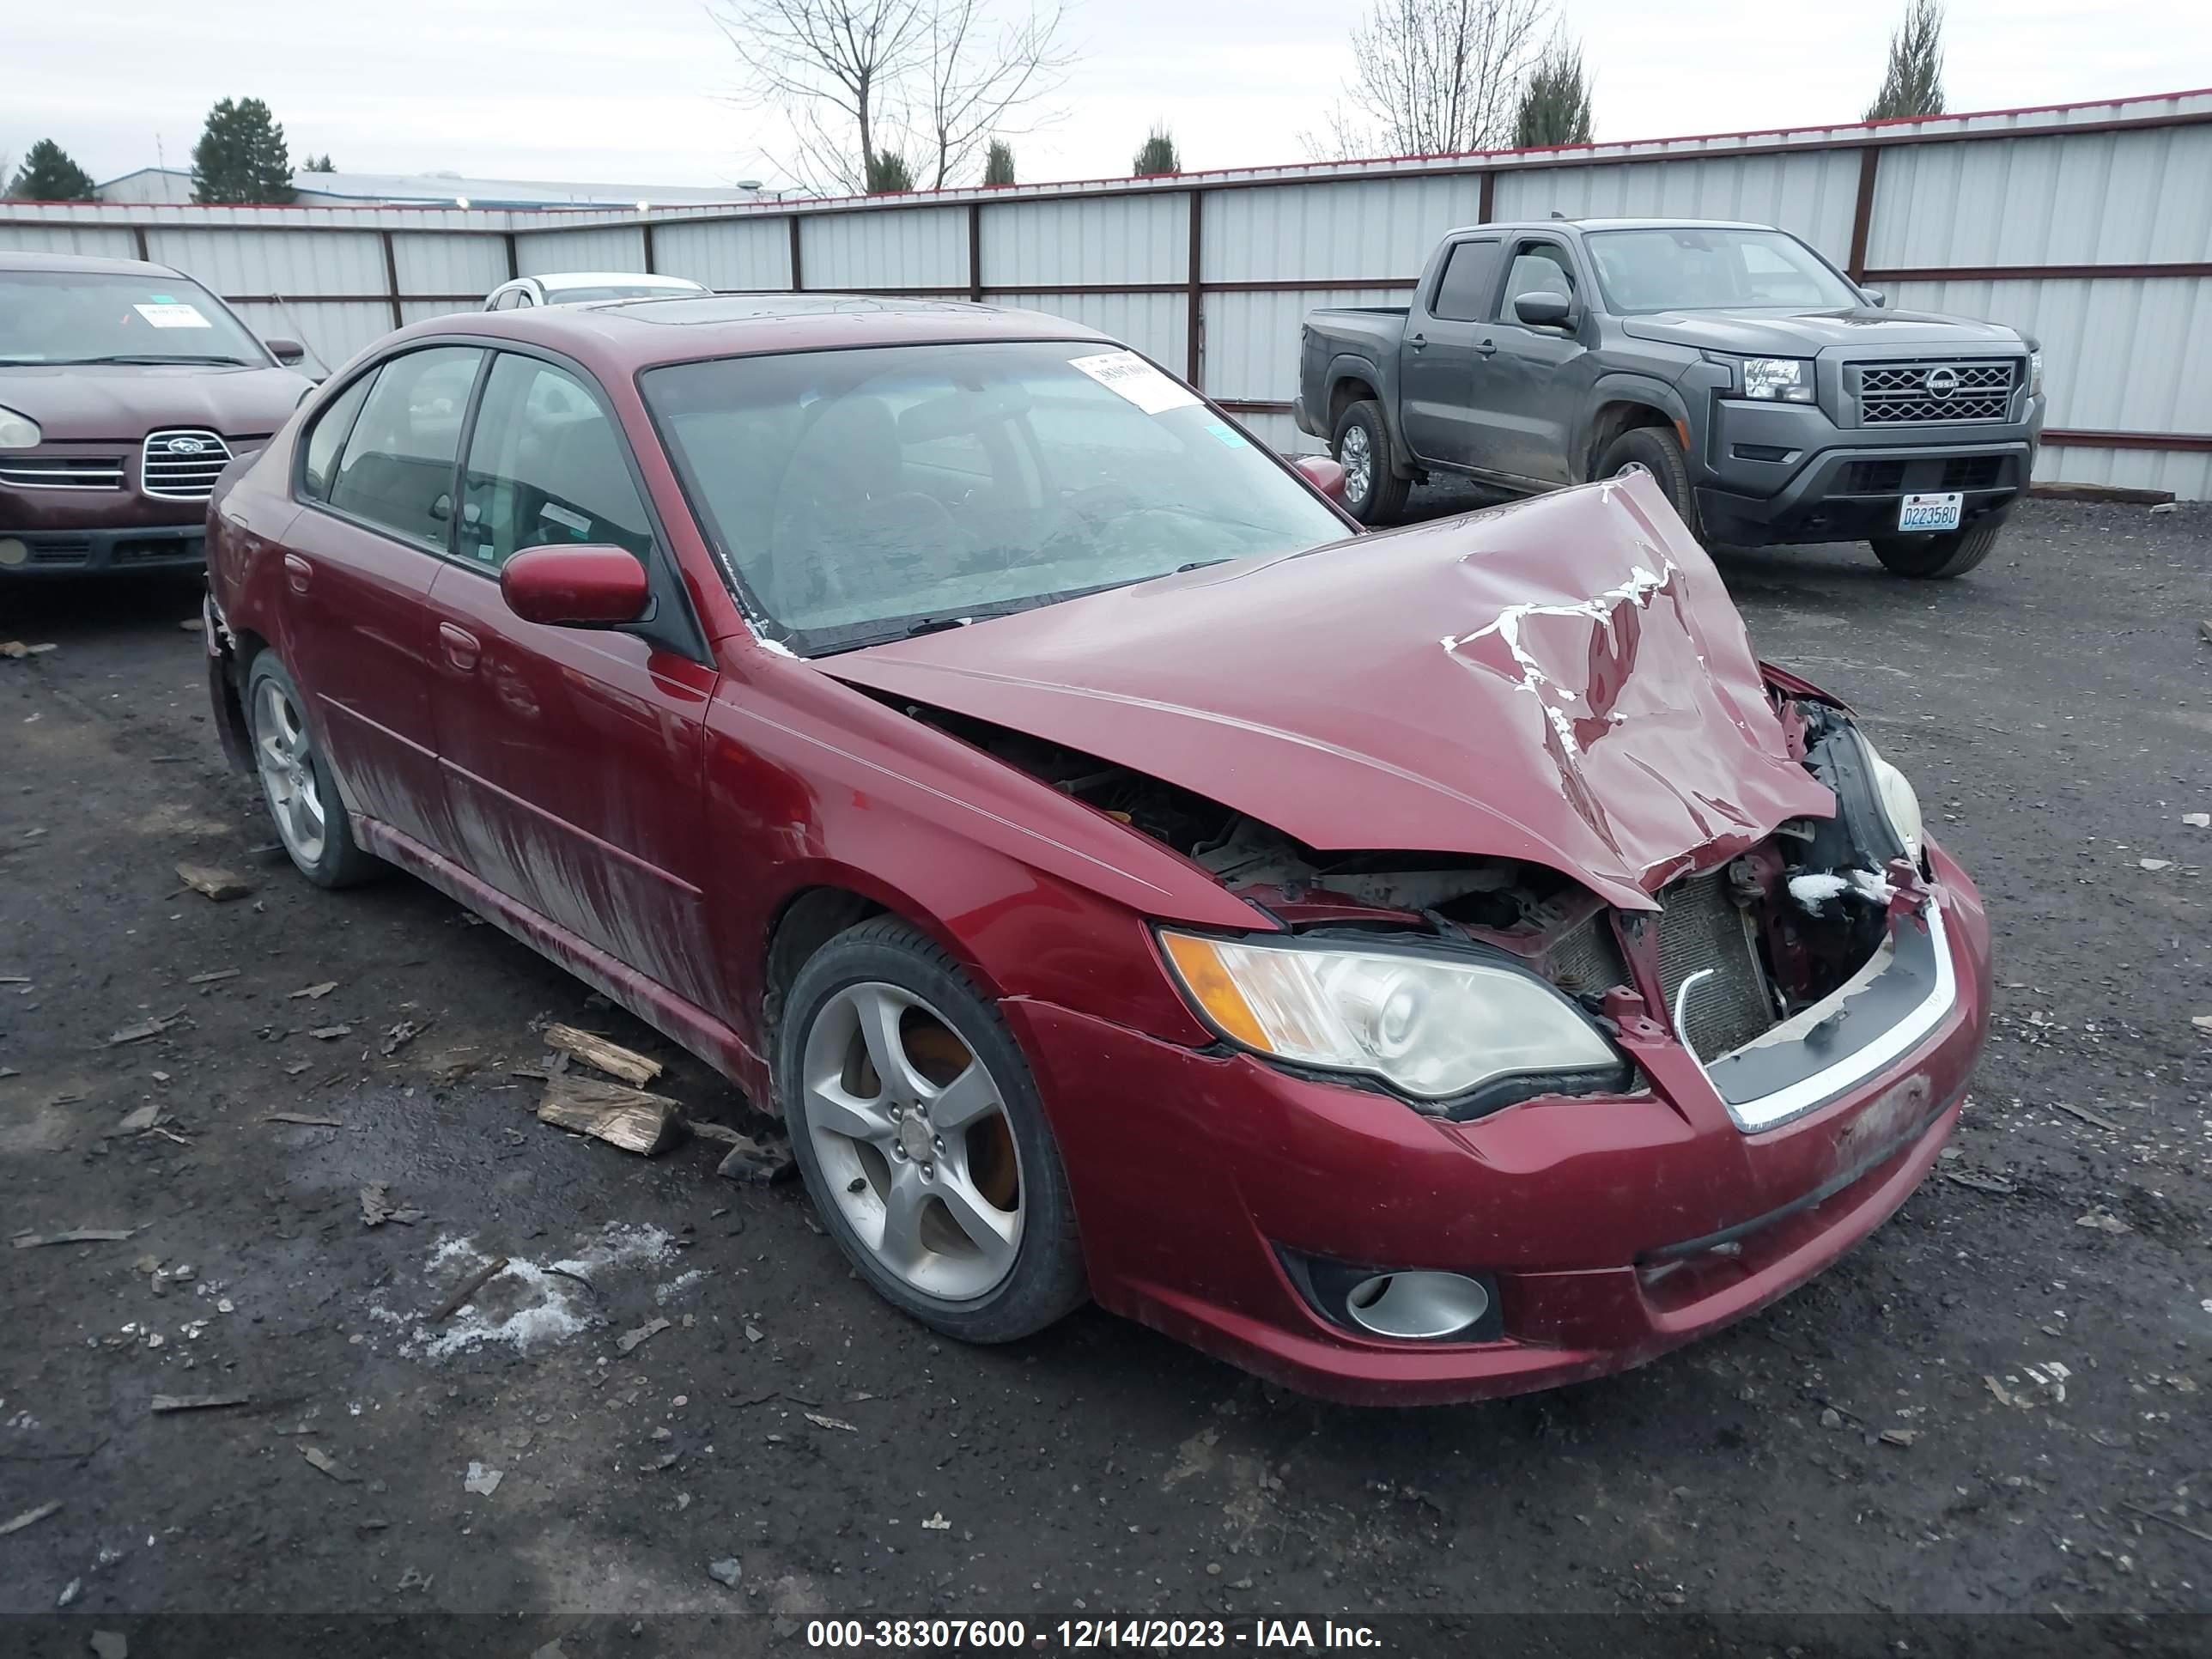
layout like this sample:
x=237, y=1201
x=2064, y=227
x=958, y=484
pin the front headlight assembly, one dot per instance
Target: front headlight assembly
x=1432, y=1025
x=18, y=431
x=1772, y=380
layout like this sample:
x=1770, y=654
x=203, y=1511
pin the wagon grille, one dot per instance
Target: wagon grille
x=63, y=472
x=1903, y=394
x=182, y=463
x=1700, y=926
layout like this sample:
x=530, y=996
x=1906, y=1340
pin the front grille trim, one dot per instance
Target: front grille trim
x=173, y=477
x=1901, y=394
x=63, y=472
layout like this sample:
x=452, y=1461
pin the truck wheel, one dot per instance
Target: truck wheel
x=1373, y=494
x=1934, y=557
x=1655, y=450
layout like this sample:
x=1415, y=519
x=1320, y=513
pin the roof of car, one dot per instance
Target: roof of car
x=83, y=262
x=633, y=334
x=1618, y=224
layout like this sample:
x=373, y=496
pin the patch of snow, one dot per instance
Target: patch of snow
x=1814, y=891
x=545, y=1303
x=678, y=1285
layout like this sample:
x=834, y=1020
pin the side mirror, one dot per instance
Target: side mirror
x=577, y=586
x=1544, y=309
x=287, y=352
x=1323, y=474
x=1874, y=296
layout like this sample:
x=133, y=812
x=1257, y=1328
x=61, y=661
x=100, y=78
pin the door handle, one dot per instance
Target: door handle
x=1487, y=347
x=297, y=571
x=462, y=647
x=1419, y=343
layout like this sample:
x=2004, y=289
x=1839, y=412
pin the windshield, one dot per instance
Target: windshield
x=94, y=317
x=1686, y=269
x=863, y=495
x=576, y=296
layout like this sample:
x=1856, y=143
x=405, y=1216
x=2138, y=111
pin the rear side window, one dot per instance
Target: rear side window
x=547, y=466
x=327, y=438
x=397, y=469
x=1463, y=291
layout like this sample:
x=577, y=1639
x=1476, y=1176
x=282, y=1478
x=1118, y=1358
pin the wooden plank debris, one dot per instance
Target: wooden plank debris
x=633, y=1068
x=621, y=1116
x=214, y=882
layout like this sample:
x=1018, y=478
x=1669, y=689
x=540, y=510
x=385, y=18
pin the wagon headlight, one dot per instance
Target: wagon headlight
x=18, y=431
x=1900, y=804
x=1433, y=1026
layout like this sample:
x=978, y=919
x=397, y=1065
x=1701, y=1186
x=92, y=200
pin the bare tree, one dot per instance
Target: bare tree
x=926, y=82
x=1914, y=82
x=1434, y=77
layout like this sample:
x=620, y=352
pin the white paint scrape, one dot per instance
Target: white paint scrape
x=531, y=1304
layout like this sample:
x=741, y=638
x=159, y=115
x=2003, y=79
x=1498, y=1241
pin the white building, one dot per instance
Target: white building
x=431, y=189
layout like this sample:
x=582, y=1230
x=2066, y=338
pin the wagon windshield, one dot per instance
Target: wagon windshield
x=863, y=496
x=79, y=317
x=1691, y=268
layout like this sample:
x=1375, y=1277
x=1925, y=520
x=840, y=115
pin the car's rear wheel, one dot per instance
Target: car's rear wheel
x=1937, y=557
x=917, y=1129
x=295, y=781
x=1655, y=450
x=1373, y=493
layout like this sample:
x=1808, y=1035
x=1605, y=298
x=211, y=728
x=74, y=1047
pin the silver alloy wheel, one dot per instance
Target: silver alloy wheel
x=285, y=755
x=1630, y=469
x=1356, y=456
x=911, y=1131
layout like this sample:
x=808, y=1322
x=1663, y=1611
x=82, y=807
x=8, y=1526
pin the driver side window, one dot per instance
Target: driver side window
x=1538, y=268
x=546, y=467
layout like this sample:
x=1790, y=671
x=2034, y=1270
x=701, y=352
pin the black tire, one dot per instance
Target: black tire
x=1383, y=496
x=1658, y=451
x=337, y=860
x=1047, y=1280
x=1936, y=558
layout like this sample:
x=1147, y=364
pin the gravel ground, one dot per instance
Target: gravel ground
x=1998, y=1404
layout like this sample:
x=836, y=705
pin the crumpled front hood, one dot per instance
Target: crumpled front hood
x=121, y=403
x=1563, y=680
x=1807, y=333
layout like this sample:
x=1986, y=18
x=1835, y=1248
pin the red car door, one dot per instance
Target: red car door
x=378, y=488
x=574, y=756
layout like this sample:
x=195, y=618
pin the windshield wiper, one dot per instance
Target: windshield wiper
x=148, y=358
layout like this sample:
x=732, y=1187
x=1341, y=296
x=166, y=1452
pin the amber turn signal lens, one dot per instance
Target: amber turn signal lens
x=1210, y=985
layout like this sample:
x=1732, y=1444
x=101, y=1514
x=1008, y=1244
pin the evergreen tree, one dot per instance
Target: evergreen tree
x=49, y=176
x=1914, y=82
x=889, y=174
x=998, y=163
x=1157, y=156
x=320, y=164
x=1555, y=101
x=240, y=156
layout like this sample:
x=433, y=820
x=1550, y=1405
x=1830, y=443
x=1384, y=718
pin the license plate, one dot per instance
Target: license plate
x=1919, y=512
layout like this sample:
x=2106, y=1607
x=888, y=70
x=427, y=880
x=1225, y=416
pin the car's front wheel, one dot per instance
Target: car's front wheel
x=1373, y=492
x=917, y=1129
x=1937, y=557
x=295, y=781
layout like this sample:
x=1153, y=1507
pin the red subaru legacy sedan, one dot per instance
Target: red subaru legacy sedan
x=1415, y=966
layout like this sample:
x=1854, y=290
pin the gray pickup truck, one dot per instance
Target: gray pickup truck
x=1775, y=399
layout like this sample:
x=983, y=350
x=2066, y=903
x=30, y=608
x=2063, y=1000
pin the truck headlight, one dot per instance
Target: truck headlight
x=1778, y=380
x=1899, y=803
x=1432, y=1025
x=18, y=431
x=2035, y=372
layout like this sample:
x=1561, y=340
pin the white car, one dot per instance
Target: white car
x=570, y=288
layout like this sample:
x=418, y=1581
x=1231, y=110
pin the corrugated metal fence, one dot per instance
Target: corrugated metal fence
x=2089, y=225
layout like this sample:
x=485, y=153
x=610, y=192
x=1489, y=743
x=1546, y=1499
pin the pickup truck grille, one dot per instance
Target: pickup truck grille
x=1904, y=394
x=1700, y=926
x=182, y=463
x=63, y=472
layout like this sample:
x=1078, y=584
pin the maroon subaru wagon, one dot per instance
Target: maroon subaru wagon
x=1415, y=966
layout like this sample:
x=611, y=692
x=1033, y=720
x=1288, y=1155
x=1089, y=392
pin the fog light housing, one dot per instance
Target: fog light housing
x=1400, y=1304
x=14, y=552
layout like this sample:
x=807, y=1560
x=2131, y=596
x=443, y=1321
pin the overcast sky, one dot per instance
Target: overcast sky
x=625, y=90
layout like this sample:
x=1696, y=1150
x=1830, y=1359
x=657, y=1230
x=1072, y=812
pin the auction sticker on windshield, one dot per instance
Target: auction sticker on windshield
x=1921, y=512
x=174, y=313
x=1128, y=374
